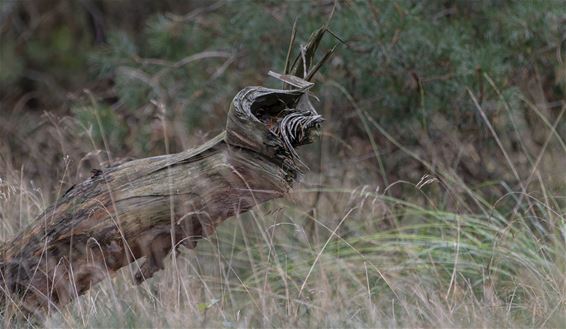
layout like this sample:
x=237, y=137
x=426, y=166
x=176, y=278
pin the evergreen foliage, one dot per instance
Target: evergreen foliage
x=410, y=65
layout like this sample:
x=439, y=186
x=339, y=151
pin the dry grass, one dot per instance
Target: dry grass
x=364, y=241
x=340, y=254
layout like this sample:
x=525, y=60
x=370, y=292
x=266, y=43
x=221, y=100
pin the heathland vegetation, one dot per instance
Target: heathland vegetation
x=436, y=195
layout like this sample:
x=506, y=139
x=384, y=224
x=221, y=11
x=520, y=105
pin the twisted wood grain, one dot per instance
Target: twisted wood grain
x=141, y=209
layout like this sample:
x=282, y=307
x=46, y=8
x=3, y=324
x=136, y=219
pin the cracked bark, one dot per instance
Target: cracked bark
x=143, y=208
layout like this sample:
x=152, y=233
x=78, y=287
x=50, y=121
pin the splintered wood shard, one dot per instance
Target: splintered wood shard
x=141, y=209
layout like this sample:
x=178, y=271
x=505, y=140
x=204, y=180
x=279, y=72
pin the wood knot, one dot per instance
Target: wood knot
x=95, y=173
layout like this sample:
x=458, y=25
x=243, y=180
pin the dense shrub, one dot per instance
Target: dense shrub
x=413, y=67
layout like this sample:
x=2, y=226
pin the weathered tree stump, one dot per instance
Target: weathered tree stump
x=143, y=208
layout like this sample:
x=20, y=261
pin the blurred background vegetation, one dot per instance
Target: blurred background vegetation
x=471, y=93
x=414, y=67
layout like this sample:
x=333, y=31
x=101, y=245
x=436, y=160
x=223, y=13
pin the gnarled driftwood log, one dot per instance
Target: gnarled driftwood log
x=143, y=208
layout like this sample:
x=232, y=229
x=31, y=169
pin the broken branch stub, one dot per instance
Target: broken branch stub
x=139, y=209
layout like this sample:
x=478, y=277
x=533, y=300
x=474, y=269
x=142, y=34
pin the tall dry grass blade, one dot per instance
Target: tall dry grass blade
x=289, y=50
x=496, y=137
x=320, y=63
